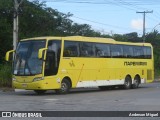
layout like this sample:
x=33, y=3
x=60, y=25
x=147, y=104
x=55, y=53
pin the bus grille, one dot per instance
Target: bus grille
x=149, y=74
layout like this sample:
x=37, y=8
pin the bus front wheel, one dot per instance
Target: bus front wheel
x=65, y=87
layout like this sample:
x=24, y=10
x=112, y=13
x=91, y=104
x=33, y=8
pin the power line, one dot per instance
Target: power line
x=118, y=27
x=152, y=19
x=133, y=2
x=91, y=2
x=123, y=2
x=128, y=4
x=114, y=26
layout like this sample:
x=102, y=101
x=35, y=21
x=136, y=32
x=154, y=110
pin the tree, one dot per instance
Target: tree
x=6, y=24
x=35, y=19
x=154, y=39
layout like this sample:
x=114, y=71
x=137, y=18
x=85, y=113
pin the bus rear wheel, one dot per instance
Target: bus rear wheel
x=65, y=87
x=40, y=92
x=127, y=83
x=136, y=82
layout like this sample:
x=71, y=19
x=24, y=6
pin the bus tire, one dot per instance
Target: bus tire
x=65, y=87
x=136, y=82
x=127, y=82
x=40, y=92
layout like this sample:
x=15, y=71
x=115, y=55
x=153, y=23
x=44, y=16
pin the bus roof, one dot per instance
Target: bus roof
x=90, y=39
x=40, y=38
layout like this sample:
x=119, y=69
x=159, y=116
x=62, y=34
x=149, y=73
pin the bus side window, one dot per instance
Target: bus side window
x=116, y=51
x=127, y=51
x=138, y=52
x=102, y=50
x=87, y=49
x=147, y=52
x=70, y=49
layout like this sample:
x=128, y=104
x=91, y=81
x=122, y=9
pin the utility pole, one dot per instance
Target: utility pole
x=144, y=15
x=15, y=22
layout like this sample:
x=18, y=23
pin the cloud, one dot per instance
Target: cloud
x=137, y=24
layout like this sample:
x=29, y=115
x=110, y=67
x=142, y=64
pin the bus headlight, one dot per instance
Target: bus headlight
x=38, y=79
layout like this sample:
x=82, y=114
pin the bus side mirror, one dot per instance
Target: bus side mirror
x=8, y=54
x=40, y=52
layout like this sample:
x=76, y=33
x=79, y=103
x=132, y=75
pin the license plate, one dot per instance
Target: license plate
x=24, y=85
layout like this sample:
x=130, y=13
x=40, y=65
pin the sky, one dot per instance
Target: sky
x=111, y=16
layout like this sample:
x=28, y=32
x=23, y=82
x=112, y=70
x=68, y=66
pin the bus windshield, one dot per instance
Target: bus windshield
x=26, y=58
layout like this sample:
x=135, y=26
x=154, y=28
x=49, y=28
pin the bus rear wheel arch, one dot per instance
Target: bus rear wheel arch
x=65, y=86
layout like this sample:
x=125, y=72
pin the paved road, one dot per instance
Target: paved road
x=145, y=98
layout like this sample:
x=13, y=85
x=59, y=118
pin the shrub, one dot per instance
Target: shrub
x=5, y=75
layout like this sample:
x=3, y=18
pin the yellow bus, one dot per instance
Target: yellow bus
x=62, y=63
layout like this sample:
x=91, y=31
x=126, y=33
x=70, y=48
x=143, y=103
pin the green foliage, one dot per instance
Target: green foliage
x=35, y=19
x=157, y=74
x=5, y=75
x=6, y=16
x=154, y=39
x=130, y=37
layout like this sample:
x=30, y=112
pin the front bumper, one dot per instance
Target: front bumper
x=38, y=85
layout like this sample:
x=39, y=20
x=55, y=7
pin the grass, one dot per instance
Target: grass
x=5, y=75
